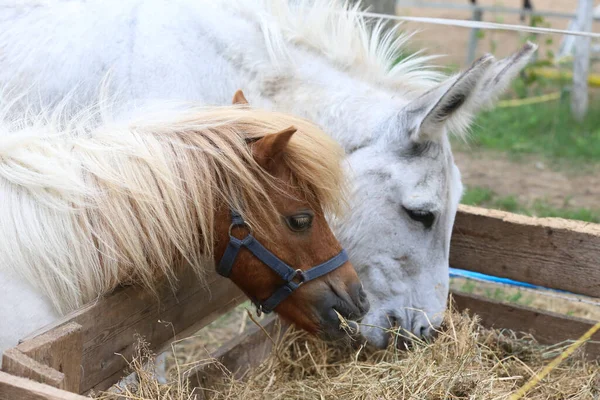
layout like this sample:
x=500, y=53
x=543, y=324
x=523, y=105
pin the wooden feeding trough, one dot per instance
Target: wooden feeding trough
x=87, y=349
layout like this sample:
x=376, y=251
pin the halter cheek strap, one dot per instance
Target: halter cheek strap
x=293, y=278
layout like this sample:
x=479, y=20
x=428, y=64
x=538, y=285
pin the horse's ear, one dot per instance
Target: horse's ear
x=239, y=98
x=429, y=114
x=453, y=103
x=269, y=150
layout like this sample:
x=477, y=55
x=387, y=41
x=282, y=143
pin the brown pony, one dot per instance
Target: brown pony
x=304, y=240
x=108, y=204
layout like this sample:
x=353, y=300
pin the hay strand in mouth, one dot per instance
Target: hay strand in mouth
x=352, y=328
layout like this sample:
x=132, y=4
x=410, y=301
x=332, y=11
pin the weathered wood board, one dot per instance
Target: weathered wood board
x=547, y=327
x=59, y=349
x=20, y=364
x=549, y=252
x=109, y=326
x=17, y=388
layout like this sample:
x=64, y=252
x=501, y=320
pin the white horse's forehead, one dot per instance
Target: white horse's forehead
x=421, y=174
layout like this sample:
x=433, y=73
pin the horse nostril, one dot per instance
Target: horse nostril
x=428, y=333
x=362, y=295
x=393, y=320
x=362, y=301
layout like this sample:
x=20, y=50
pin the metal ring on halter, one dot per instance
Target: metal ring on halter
x=247, y=225
x=299, y=273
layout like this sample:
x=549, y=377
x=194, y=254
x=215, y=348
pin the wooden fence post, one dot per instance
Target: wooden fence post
x=387, y=7
x=378, y=6
x=581, y=61
x=474, y=36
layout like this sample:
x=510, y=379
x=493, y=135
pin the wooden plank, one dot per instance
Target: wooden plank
x=581, y=61
x=110, y=324
x=19, y=364
x=547, y=327
x=17, y=388
x=474, y=37
x=549, y=252
x=60, y=349
x=109, y=381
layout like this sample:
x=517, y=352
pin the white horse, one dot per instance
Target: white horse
x=317, y=59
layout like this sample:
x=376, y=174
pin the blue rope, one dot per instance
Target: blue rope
x=461, y=273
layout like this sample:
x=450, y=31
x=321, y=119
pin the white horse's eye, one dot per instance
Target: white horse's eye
x=427, y=218
x=299, y=222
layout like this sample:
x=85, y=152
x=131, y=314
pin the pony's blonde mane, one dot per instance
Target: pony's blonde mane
x=87, y=206
x=348, y=39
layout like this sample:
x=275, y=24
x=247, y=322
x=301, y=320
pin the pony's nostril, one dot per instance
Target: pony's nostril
x=361, y=300
x=364, y=305
x=362, y=295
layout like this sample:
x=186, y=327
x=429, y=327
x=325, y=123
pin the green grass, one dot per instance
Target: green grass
x=492, y=291
x=508, y=203
x=483, y=197
x=547, y=129
x=477, y=196
x=542, y=209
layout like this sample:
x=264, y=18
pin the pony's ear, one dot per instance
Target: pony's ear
x=453, y=103
x=269, y=150
x=239, y=98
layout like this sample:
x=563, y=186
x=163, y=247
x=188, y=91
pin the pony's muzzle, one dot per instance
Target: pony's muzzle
x=341, y=309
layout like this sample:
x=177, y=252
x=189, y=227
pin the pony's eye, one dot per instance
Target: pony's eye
x=425, y=217
x=300, y=222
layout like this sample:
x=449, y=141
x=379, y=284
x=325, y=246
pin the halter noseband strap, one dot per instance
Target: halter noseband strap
x=293, y=278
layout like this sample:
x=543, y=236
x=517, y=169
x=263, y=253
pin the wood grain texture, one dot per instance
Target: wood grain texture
x=546, y=327
x=19, y=364
x=549, y=252
x=60, y=349
x=109, y=326
x=17, y=388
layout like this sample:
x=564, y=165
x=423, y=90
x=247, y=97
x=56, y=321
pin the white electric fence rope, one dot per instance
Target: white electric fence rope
x=480, y=24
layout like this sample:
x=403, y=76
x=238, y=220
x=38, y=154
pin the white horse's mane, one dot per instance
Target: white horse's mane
x=376, y=54
x=347, y=38
x=88, y=204
x=332, y=28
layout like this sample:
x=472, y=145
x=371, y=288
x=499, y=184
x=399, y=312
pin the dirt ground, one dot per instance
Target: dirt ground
x=453, y=41
x=530, y=179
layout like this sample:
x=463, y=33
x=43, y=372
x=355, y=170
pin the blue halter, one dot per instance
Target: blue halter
x=293, y=278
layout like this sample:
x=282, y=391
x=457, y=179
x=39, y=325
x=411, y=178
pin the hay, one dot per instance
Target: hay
x=143, y=384
x=466, y=361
